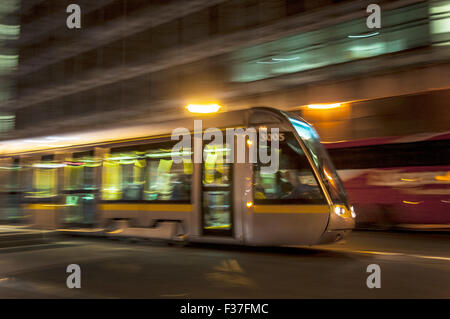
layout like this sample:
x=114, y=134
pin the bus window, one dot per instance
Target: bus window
x=422, y=153
x=294, y=182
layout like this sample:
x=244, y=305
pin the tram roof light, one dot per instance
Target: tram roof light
x=203, y=108
x=168, y=154
x=61, y=138
x=49, y=165
x=324, y=106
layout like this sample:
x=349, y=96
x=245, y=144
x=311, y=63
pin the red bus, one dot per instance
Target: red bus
x=397, y=181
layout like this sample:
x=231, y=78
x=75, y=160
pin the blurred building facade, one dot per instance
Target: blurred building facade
x=9, y=34
x=134, y=60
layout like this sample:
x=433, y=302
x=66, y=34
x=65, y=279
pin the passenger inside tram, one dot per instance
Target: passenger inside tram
x=181, y=187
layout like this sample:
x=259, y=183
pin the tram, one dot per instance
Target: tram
x=125, y=182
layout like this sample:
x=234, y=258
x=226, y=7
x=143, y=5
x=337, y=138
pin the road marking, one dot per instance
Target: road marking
x=230, y=265
x=230, y=273
x=230, y=279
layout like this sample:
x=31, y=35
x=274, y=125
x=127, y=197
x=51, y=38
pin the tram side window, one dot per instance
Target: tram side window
x=9, y=172
x=44, y=176
x=148, y=173
x=79, y=172
x=123, y=176
x=216, y=170
x=167, y=180
x=293, y=182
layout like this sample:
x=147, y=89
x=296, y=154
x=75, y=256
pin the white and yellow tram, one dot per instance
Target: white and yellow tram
x=125, y=182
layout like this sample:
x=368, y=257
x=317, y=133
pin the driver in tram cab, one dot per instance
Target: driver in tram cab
x=285, y=185
x=292, y=187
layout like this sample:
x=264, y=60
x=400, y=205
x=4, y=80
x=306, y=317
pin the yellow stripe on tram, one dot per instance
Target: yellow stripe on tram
x=147, y=207
x=218, y=227
x=43, y=206
x=291, y=209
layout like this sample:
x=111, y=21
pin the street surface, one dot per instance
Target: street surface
x=413, y=265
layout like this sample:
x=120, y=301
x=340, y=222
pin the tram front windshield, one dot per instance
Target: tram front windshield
x=322, y=161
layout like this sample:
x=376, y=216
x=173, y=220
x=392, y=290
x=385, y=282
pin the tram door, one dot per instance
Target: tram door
x=15, y=194
x=10, y=198
x=80, y=189
x=217, y=193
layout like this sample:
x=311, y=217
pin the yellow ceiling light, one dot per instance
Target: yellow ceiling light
x=203, y=108
x=324, y=106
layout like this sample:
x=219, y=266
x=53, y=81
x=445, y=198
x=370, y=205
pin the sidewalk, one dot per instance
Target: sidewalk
x=19, y=235
x=395, y=242
x=425, y=228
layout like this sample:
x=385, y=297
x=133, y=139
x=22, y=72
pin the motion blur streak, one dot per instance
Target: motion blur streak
x=356, y=113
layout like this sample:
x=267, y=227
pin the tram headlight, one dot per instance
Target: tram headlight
x=352, y=211
x=338, y=210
